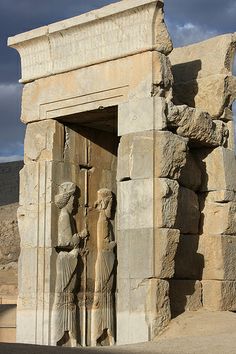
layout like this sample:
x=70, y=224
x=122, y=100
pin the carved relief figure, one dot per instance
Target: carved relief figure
x=103, y=319
x=69, y=248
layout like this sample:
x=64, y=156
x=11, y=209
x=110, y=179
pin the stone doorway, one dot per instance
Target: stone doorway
x=90, y=146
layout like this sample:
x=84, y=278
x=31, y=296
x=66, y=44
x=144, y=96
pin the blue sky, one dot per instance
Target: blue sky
x=188, y=21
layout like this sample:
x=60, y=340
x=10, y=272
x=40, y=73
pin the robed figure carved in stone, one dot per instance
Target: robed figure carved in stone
x=64, y=326
x=103, y=319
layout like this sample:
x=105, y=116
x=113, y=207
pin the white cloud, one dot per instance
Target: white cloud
x=10, y=158
x=7, y=90
x=189, y=33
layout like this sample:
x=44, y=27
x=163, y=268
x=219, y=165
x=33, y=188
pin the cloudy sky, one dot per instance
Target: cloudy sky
x=188, y=21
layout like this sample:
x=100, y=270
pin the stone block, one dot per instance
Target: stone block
x=36, y=275
x=158, y=312
x=165, y=245
x=147, y=312
x=185, y=295
x=190, y=175
x=170, y=154
x=196, y=125
x=44, y=141
x=220, y=196
x=218, y=169
x=153, y=249
x=134, y=118
x=201, y=72
x=218, y=218
x=188, y=213
x=148, y=154
x=38, y=225
x=39, y=181
x=135, y=156
x=219, y=295
x=215, y=55
x=139, y=243
x=53, y=49
x=231, y=138
x=166, y=194
x=219, y=254
x=135, y=204
x=189, y=262
x=209, y=94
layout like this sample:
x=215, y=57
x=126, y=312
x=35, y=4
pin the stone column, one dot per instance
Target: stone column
x=43, y=172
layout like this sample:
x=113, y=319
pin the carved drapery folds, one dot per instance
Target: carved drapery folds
x=103, y=320
x=72, y=245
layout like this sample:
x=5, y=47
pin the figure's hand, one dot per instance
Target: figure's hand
x=112, y=244
x=84, y=233
x=75, y=240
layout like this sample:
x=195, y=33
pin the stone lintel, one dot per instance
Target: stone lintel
x=115, y=31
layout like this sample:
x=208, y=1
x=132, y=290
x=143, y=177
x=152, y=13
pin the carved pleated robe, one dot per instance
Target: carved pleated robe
x=103, y=305
x=64, y=304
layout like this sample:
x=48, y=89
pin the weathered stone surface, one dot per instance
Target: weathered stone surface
x=190, y=175
x=165, y=245
x=219, y=295
x=170, y=155
x=44, y=141
x=104, y=85
x=134, y=26
x=158, y=313
x=135, y=155
x=166, y=202
x=210, y=94
x=143, y=309
x=219, y=253
x=189, y=262
x=33, y=220
x=133, y=118
x=135, y=206
x=9, y=235
x=221, y=196
x=154, y=251
x=196, y=125
x=218, y=218
x=230, y=144
x=185, y=295
x=218, y=169
x=42, y=180
x=188, y=214
x=203, y=74
x=135, y=203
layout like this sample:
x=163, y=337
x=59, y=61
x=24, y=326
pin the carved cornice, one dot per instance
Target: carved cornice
x=115, y=31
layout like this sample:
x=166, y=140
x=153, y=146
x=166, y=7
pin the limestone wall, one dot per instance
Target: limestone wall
x=205, y=264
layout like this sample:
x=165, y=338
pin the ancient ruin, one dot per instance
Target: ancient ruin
x=127, y=195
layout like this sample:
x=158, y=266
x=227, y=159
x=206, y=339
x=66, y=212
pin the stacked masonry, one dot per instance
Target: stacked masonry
x=203, y=79
x=176, y=167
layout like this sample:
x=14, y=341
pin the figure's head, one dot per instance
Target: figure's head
x=65, y=198
x=104, y=199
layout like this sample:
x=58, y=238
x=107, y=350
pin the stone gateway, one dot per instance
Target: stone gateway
x=127, y=195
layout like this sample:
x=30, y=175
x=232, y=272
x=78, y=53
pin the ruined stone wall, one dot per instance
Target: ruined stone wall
x=205, y=264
